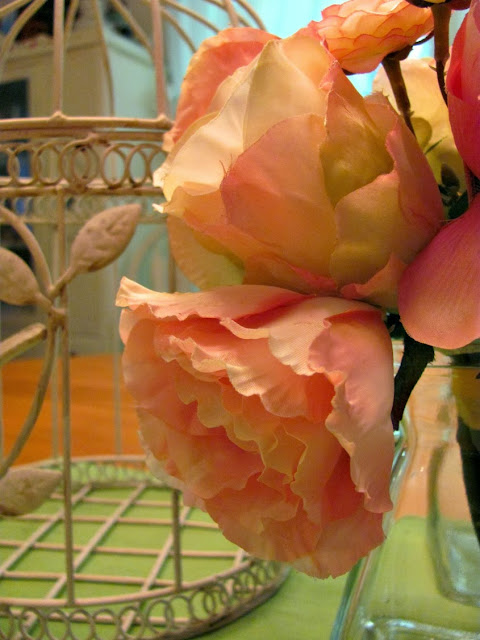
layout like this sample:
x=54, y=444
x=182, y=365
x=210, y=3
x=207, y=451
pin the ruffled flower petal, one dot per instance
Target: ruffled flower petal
x=224, y=302
x=360, y=33
x=253, y=400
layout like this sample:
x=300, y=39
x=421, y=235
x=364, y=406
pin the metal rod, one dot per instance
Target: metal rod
x=133, y=24
x=61, y=121
x=58, y=56
x=69, y=20
x=97, y=13
x=15, y=29
x=117, y=377
x=232, y=14
x=55, y=378
x=157, y=29
x=66, y=409
x=176, y=533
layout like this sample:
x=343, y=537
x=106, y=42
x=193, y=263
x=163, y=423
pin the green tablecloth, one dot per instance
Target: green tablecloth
x=303, y=609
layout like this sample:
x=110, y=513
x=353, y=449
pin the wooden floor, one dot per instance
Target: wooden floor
x=92, y=409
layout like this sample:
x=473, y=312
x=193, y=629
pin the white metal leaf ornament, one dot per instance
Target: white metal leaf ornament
x=21, y=341
x=18, y=284
x=103, y=238
x=24, y=489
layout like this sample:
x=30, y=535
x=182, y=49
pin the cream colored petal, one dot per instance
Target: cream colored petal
x=201, y=159
x=354, y=153
x=285, y=84
x=161, y=174
x=229, y=85
x=396, y=214
x=368, y=221
x=216, y=58
x=203, y=261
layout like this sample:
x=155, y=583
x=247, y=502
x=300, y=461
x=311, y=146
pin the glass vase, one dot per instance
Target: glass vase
x=423, y=583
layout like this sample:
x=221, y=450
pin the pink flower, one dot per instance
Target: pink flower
x=297, y=181
x=439, y=299
x=463, y=86
x=255, y=402
x=216, y=58
x=360, y=33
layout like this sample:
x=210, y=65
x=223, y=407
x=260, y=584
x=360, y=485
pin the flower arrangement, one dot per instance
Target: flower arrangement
x=312, y=220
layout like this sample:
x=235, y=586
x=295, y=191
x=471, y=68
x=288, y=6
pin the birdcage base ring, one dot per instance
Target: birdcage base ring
x=133, y=563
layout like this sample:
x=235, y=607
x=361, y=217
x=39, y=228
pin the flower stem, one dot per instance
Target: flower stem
x=416, y=356
x=441, y=23
x=392, y=67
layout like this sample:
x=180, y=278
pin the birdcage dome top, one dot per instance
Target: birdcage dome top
x=110, y=33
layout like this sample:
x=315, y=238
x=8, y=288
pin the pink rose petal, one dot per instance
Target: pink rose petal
x=439, y=298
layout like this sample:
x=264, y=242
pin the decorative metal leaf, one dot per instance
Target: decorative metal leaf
x=24, y=489
x=20, y=342
x=18, y=284
x=103, y=238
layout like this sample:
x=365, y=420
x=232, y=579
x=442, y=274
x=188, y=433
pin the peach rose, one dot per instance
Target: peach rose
x=254, y=401
x=439, y=299
x=215, y=59
x=463, y=87
x=294, y=180
x=360, y=33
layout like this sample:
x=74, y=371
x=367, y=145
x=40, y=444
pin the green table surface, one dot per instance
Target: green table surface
x=304, y=608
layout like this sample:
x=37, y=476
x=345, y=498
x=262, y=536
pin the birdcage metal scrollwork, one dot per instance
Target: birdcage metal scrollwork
x=99, y=548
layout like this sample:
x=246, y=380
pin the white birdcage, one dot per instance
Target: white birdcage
x=111, y=553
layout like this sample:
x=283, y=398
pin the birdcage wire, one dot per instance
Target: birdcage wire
x=79, y=167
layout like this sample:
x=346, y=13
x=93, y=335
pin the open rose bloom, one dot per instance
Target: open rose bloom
x=360, y=33
x=254, y=401
x=267, y=186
